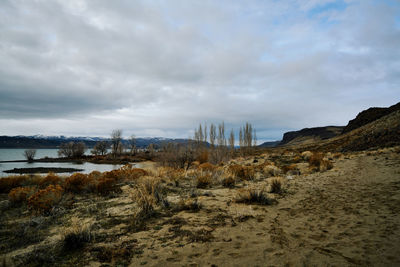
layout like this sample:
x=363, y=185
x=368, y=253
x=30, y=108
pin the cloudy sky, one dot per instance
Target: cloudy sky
x=159, y=68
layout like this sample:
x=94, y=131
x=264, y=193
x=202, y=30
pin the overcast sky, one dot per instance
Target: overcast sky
x=159, y=68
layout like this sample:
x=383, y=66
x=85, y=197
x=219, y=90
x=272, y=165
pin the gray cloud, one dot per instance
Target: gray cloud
x=160, y=68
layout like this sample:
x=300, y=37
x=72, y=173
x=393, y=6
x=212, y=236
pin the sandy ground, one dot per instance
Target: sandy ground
x=347, y=216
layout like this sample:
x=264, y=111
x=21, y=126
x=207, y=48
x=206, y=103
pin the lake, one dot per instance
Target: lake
x=18, y=154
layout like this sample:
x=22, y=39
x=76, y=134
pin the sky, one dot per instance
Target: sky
x=158, y=68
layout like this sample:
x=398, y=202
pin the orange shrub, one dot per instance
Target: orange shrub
x=78, y=182
x=316, y=159
x=202, y=157
x=207, y=167
x=51, y=178
x=8, y=183
x=203, y=181
x=105, y=185
x=20, y=194
x=242, y=172
x=290, y=167
x=43, y=200
x=136, y=173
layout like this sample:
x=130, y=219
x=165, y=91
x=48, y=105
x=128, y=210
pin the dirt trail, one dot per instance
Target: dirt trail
x=347, y=216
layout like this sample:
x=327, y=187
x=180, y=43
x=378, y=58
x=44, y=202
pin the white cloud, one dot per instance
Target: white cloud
x=160, y=68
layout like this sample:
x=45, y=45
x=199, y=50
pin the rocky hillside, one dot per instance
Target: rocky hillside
x=369, y=115
x=311, y=134
x=383, y=132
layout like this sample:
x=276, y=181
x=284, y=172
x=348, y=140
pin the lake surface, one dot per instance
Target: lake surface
x=18, y=154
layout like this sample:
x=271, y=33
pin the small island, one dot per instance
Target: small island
x=42, y=170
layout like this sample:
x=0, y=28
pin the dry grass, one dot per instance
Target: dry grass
x=77, y=235
x=252, y=196
x=228, y=181
x=276, y=185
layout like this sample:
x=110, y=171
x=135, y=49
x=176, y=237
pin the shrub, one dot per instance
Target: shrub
x=105, y=185
x=203, y=180
x=275, y=185
x=44, y=199
x=8, y=183
x=188, y=204
x=78, y=182
x=228, y=181
x=51, y=178
x=315, y=160
x=144, y=199
x=242, y=172
x=203, y=157
x=207, y=167
x=252, y=196
x=20, y=194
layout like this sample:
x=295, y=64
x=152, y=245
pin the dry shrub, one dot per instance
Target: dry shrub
x=271, y=170
x=75, y=236
x=306, y=155
x=287, y=168
x=203, y=157
x=228, y=181
x=148, y=193
x=242, y=172
x=276, y=185
x=19, y=195
x=51, y=178
x=44, y=199
x=203, y=180
x=188, y=204
x=105, y=185
x=252, y=196
x=317, y=162
x=207, y=167
x=129, y=172
x=8, y=183
x=316, y=159
x=78, y=182
x=94, y=175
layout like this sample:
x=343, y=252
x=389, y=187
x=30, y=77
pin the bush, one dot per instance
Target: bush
x=78, y=182
x=228, y=181
x=315, y=160
x=242, y=172
x=43, y=200
x=203, y=157
x=20, y=194
x=203, y=180
x=8, y=183
x=105, y=186
x=252, y=196
x=208, y=167
x=51, y=178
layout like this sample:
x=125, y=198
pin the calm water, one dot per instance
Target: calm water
x=18, y=154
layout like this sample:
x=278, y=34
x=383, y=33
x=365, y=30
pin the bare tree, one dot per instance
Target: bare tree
x=213, y=134
x=254, y=137
x=221, y=135
x=132, y=144
x=205, y=133
x=241, y=143
x=116, y=142
x=72, y=150
x=100, y=148
x=30, y=154
x=232, y=140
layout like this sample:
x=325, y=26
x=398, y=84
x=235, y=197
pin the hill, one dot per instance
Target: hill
x=383, y=132
x=310, y=135
x=369, y=115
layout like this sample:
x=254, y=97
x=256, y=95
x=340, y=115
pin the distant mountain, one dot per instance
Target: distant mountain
x=309, y=135
x=369, y=115
x=270, y=144
x=41, y=141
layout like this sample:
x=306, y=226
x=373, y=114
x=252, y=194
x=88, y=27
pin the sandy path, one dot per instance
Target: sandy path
x=347, y=216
